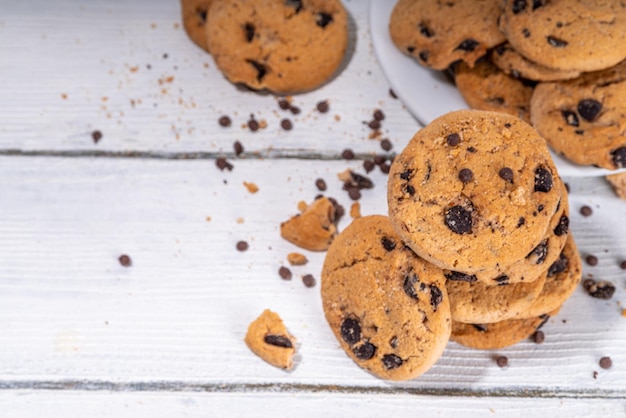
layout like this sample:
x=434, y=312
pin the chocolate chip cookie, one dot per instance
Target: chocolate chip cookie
x=439, y=33
x=387, y=307
x=584, y=119
x=473, y=190
x=516, y=65
x=281, y=46
x=581, y=35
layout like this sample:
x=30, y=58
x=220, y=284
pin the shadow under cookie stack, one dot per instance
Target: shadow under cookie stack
x=476, y=248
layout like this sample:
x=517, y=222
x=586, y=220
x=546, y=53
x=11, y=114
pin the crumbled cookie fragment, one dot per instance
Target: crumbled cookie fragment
x=599, y=289
x=314, y=229
x=252, y=188
x=297, y=259
x=269, y=339
x=355, y=210
x=618, y=181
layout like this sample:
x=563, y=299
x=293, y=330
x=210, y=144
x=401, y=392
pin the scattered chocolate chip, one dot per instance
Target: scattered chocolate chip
x=570, y=117
x=391, y=361
x=386, y=144
x=295, y=110
x=96, y=136
x=385, y=167
x=409, y=286
x=586, y=211
x=453, y=139
x=480, y=327
x=379, y=115
x=286, y=124
x=461, y=277
x=562, y=227
x=374, y=124
x=278, y=341
x=466, y=175
x=543, y=180
x=539, y=337
x=284, y=104
x=253, y=125
x=392, y=94
x=354, y=193
x=458, y=220
x=592, y=260
x=595, y=374
x=502, y=361
x=468, y=45
x=622, y=265
x=558, y=266
x=364, y=351
x=379, y=159
x=249, y=30
x=238, y=148
x=425, y=30
x=506, y=174
x=242, y=246
x=388, y=244
x=619, y=157
x=125, y=260
x=436, y=296
x=322, y=106
x=320, y=184
x=350, y=331
x=556, y=42
x=347, y=154
x=359, y=181
x=606, y=362
x=284, y=273
x=222, y=164
x=600, y=289
x=518, y=6
x=368, y=165
x=589, y=109
x=323, y=19
x=309, y=280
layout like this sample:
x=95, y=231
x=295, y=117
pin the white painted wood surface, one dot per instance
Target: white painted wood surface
x=165, y=336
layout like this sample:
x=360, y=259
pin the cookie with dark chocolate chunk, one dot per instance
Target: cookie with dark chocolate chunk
x=281, y=46
x=491, y=221
x=388, y=308
x=438, y=33
x=269, y=339
x=584, y=119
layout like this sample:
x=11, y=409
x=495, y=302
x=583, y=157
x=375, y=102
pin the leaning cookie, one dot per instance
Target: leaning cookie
x=439, y=33
x=499, y=334
x=281, y=46
x=516, y=65
x=584, y=119
x=562, y=278
x=581, y=35
x=473, y=190
x=194, y=19
x=486, y=87
x=388, y=308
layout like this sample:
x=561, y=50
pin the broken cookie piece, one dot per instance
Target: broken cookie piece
x=269, y=339
x=618, y=182
x=313, y=229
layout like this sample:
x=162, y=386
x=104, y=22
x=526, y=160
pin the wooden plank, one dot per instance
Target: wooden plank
x=69, y=404
x=136, y=77
x=73, y=317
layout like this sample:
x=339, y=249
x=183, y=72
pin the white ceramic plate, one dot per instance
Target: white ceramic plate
x=427, y=93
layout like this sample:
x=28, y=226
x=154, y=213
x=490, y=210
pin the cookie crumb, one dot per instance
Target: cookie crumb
x=355, y=210
x=125, y=260
x=297, y=259
x=269, y=339
x=252, y=188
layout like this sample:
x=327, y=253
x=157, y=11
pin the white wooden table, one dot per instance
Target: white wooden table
x=81, y=335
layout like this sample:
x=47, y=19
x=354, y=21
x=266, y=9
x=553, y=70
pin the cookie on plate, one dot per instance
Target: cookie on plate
x=387, y=307
x=281, y=46
x=562, y=278
x=486, y=87
x=194, y=19
x=581, y=35
x=473, y=190
x=269, y=339
x=516, y=65
x=478, y=303
x=439, y=33
x=499, y=334
x=543, y=255
x=584, y=119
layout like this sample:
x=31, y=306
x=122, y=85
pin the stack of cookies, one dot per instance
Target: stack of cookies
x=557, y=64
x=280, y=46
x=476, y=248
